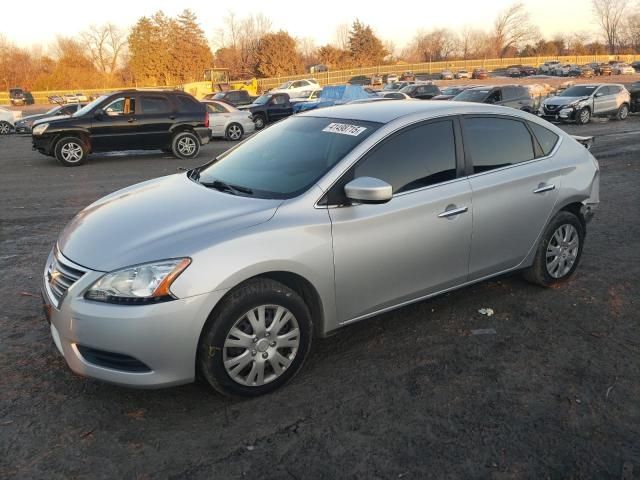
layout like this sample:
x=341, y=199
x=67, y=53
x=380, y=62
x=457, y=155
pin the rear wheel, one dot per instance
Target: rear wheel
x=185, y=145
x=71, y=151
x=5, y=128
x=559, y=251
x=583, y=116
x=256, y=340
x=234, y=132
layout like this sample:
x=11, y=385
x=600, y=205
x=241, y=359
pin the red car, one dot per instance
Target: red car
x=479, y=74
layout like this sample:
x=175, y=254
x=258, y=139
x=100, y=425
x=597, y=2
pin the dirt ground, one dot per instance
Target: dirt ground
x=411, y=394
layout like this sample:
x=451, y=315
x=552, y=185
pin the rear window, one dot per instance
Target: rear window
x=155, y=105
x=546, y=138
x=188, y=104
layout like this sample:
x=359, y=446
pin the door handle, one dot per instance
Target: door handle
x=452, y=212
x=131, y=119
x=544, y=188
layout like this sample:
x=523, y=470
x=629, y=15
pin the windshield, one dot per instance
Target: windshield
x=451, y=91
x=472, y=95
x=262, y=99
x=285, y=85
x=289, y=157
x=579, y=91
x=89, y=106
x=219, y=95
x=53, y=110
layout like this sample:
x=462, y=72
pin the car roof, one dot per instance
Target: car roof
x=385, y=112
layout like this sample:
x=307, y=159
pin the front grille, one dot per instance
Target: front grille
x=60, y=275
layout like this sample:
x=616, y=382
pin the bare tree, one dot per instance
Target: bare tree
x=511, y=29
x=609, y=16
x=342, y=36
x=473, y=43
x=106, y=44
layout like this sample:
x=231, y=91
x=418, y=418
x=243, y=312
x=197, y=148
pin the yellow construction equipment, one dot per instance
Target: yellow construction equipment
x=217, y=80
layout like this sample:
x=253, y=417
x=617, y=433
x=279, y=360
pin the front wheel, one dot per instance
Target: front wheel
x=234, y=132
x=583, y=116
x=259, y=121
x=623, y=112
x=5, y=128
x=185, y=145
x=559, y=251
x=71, y=151
x=256, y=340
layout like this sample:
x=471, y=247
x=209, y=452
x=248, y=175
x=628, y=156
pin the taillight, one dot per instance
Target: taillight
x=206, y=120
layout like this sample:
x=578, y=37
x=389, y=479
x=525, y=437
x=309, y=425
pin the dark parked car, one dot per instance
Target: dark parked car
x=421, y=91
x=634, y=91
x=527, y=70
x=636, y=66
x=17, y=97
x=479, y=74
x=360, y=80
x=25, y=124
x=232, y=97
x=269, y=108
x=514, y=96
x=172, y=121
x=450, y=92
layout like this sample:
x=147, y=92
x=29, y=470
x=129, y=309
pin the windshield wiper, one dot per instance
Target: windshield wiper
x=225, y=187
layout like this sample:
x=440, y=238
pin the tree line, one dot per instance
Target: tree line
x=162, y=50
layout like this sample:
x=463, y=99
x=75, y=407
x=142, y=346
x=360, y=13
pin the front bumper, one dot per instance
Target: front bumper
x=565, y=114
x=42, y=143
x=162, y=337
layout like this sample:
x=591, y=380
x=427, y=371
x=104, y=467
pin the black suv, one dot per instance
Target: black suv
x=232, y=97
x=172, y=121
x=17, y=97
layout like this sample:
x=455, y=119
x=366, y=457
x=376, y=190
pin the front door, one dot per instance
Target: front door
x=415, y=244
x=115, y=128
x=513, y=192
x=603, y=102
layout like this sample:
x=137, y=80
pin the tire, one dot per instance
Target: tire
x=5, y=128
x=168, y=151
x=583, y=116
x=623, y=112
x=257, y=350
x=71, y=151
x=185, y=145
x=234, y=132
x=559, y=251
x=259, y=121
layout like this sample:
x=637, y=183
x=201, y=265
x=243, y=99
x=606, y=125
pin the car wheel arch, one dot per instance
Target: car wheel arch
x=81, y=134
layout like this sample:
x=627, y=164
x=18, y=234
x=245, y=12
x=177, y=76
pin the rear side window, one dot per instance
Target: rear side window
x=188, y=104
x=414, y=158
x=614, y=89
x=155, y=105
x=496, y=142
x=546, y=138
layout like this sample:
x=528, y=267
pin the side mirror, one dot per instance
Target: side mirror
x=368, y=190
x=599, y=94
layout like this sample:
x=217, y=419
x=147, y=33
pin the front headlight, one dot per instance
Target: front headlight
x=138, y=285
x=40, y=129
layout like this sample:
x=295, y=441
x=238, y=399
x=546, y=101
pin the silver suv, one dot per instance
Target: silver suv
x=581, y=102
x=322, y=220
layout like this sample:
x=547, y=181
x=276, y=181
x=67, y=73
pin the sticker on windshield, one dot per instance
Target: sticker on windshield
x=344, y=129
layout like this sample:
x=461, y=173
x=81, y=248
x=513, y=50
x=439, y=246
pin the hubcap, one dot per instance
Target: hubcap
x=186, y=146
x=562, y=250
x=623, y=112
x=584, y=116
x=4, y=128
x=234, y=132
x=259, y=122
x=71, y=152
x=261, y=345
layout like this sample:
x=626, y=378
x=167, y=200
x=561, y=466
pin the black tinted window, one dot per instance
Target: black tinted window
x=496, y=142
x=546, y=138
x=416, y=157
x=188, y=104
x=155, y=105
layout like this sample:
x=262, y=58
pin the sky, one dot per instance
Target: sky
x=393, y=21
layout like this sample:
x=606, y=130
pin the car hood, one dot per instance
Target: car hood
x=163, y=218
x=443, y=97
x=57, y=119
x=563, y=100
x=33, y=118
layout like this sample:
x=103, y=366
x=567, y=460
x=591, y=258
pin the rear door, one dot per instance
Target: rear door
x=515, y=186
x=418, y=242
x=116, y=128
x=155, y=116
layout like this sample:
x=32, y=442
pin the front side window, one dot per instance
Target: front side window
x=121, y=106
x=416, y=157
x=289, y=157
x=496, y=142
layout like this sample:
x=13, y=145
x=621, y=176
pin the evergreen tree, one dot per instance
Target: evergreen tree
x=366, y=49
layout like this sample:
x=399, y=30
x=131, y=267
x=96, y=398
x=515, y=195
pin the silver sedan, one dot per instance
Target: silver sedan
x=322, y=220
x=227, y=121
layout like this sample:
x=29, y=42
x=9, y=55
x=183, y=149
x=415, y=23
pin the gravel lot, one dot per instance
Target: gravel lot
x=410, y=394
